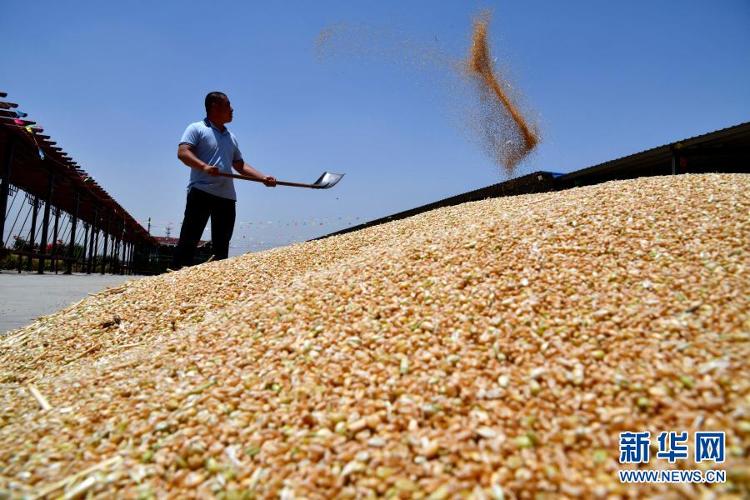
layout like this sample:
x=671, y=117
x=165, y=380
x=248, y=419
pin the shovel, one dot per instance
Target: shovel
x=325, y=181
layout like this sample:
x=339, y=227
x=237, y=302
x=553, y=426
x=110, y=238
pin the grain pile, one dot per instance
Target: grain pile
x=493, y=348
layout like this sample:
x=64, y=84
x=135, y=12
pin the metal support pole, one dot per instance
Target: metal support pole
x=119, y=247
x=84, y=257
x=32, y=233
x=130, y=259
x=125, y=243
x=113, y=239
x=105, y=233
x=117, y=251
x=126, y=257
x=71, y=249
x=5, y=187
x=123, y=254
x=123, y=249
x=91, y=240
x=675, y=149
x=96, y=245
x=45, y=224
x=55, y=234
x=112, y=253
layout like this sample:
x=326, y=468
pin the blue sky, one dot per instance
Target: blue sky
x=115, y=84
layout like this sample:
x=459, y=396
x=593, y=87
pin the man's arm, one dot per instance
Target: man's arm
x=245, y=169
x=186, y=156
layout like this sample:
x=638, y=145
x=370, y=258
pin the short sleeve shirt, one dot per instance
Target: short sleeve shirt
x=216, y=148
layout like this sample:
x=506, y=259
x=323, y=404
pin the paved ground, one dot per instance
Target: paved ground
x=24, y=297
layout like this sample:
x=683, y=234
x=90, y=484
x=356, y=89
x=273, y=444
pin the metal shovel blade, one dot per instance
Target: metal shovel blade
x=327, y=180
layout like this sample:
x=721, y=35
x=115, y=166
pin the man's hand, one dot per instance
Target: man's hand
x=211, y=170
x=269, y=181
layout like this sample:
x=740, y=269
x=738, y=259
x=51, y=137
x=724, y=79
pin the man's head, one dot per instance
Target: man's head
x=218, y=108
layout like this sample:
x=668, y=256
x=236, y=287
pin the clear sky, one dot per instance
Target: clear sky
x=115, y=84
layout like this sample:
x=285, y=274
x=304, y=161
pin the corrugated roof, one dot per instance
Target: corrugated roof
x=27, y=133
x=728, y=133
x=730, y=144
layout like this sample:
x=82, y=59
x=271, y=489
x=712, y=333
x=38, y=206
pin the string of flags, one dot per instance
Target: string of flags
x=18, y=121
x=259, y=224
x=32, y=130
x=300, y=222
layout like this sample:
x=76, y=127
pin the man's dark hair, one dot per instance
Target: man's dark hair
x=213, y=98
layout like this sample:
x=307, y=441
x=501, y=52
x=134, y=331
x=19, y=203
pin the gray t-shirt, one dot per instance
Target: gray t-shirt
x=216, y=148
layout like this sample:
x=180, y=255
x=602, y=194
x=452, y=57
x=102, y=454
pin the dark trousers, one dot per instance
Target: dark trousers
x=200, y=206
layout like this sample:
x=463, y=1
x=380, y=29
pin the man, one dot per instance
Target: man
x=208, y=148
